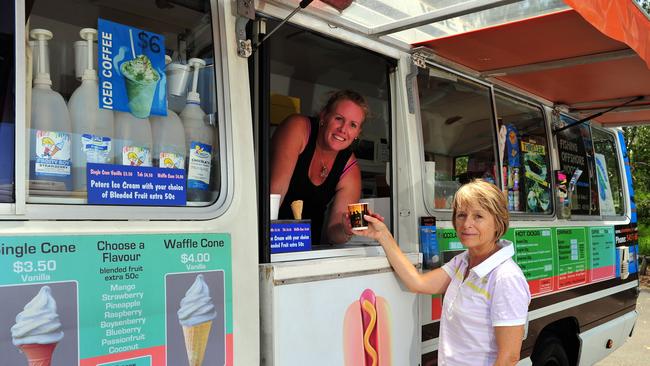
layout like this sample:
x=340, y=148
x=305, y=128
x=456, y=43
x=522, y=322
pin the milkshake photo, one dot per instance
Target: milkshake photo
x=141, y=81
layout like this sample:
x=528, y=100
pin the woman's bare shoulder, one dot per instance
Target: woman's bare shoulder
x=293, y=130
x=296, y=122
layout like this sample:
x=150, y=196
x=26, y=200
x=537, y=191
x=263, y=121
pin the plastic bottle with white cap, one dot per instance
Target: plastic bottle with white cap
x=168, y=138
x=49, y=157
x=133, y=140
x=92, y=127
x=199, y=139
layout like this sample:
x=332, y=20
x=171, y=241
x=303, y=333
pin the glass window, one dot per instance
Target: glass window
x=299, y=89
x=123, y=104
x=7, y=101
x=457, y=132
x=576, y=153
x=610, y=191
x=526, y=165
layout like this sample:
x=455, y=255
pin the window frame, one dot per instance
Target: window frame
x=619, y=170
x=445, y=214
x=327, y=251
x=578, y=217
x=24, y=209
x=528, y=216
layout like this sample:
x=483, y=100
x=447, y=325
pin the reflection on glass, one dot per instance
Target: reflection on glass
x=458, y=134
x=576, y=153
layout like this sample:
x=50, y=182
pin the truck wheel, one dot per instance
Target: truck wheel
x=550, y=353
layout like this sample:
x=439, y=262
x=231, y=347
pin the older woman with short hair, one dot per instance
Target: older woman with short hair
x=486, y=294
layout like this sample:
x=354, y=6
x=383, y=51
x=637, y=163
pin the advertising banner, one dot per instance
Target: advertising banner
x=131, y=70
x=145, y=300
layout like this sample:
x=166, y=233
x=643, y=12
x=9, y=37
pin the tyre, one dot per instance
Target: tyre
x=550, y=353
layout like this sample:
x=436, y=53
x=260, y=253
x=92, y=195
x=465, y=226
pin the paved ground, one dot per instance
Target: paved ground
x=636, y=351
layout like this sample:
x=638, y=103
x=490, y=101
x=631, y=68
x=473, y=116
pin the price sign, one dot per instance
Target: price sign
x=195, y=258
x=34, y=266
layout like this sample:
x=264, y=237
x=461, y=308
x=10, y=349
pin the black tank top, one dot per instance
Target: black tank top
x=315, y=198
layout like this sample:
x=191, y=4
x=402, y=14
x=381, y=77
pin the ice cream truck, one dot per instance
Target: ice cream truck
x=136, y=217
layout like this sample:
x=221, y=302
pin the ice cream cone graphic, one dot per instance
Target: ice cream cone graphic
x=37, y=331
x=196, y=340
x=38, y=354
x=196, y=314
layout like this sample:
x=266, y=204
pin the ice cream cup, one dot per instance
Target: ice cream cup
x=356, y=212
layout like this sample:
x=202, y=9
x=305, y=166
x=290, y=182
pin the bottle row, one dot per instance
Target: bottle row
x=64, y=138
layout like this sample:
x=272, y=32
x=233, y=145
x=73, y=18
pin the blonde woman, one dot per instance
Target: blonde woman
x=486, y=294
x=311, y=160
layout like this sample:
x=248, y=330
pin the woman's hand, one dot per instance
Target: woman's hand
x=376, y=228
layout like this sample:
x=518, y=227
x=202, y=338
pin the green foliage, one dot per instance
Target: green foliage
x=645, y=5
x=638, y=149
x=642, y=200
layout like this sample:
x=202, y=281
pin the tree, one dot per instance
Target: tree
x=638, y=149
x=645, y=4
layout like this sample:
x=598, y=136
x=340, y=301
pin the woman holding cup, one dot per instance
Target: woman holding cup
x=486, y=300
x=311, y=160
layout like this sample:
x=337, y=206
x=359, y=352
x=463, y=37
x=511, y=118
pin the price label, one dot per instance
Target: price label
x=34, y=266
x=195, y=258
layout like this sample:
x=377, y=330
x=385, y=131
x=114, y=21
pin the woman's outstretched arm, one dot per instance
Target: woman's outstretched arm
x=432, y=282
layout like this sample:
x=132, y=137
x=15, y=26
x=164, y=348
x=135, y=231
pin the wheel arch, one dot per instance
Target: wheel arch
x=566, y=329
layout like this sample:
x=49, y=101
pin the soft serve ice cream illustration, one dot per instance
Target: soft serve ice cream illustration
x=38, y=330
x=196, y=315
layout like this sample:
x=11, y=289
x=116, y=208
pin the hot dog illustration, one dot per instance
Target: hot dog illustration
x=367, y=332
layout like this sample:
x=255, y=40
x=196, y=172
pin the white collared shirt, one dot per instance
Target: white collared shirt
x=495, y=293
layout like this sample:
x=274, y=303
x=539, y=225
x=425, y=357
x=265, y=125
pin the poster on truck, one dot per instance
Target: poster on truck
x=116, y=300
x=327, y=322
x=131, y=70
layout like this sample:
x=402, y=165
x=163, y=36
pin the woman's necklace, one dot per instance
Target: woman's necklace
x=323, y=169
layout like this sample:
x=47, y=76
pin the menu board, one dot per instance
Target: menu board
x=603, y=253
x=534, y=254
x=114, y=300
x=554, y=259
x=572, y=257
x=576, y=152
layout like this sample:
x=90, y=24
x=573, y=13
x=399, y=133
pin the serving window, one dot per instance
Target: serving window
x=300, y=83
x=526, y=164
x=457, y=132
x=123, y=104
